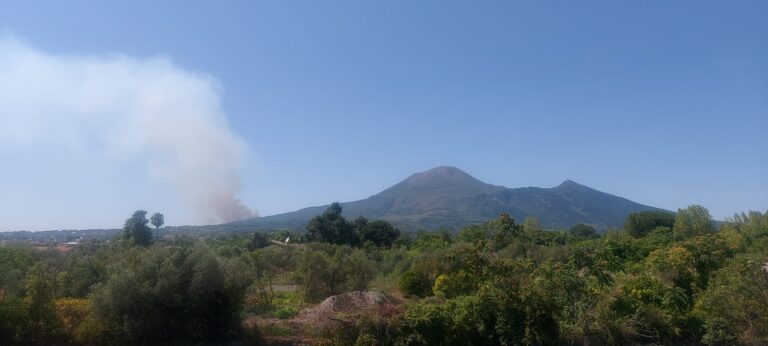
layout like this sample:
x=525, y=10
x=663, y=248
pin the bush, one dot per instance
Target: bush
x=181, y=293
x=453, y=285
x=414, y=283
x=366, y=340
x=327, y=270
x=72, y=312
x=12, y=318
x=735, y=306
x=258, y=241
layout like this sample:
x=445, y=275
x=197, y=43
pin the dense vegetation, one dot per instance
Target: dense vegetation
x=663, y=279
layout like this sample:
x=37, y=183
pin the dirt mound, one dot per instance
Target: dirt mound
x=313, y=325
x=352, y=302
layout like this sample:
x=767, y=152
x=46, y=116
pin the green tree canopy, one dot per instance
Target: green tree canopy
x=692, y=221
x=641, y=223
x=178, y=293
x=157, y=220
x=136, y=229
x=327, y=269
x=735, y=307
x=258, y=241
x=581, y=230
x=380, y=232
x=332, y=227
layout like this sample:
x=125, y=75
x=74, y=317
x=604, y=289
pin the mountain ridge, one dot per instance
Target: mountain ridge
x=448, y=197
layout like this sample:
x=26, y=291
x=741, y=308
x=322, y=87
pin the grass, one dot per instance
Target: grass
x=386, y=283
x=284, y=305
x=285, y=312
x=288, y=299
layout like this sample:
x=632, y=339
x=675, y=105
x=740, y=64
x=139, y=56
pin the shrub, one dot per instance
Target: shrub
x=181, y=293
x=415, y=283
x=327, y=270
x=366, y=340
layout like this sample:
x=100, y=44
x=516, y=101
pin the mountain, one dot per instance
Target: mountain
x=450, y=198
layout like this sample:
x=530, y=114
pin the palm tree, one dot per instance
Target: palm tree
x=157, y=220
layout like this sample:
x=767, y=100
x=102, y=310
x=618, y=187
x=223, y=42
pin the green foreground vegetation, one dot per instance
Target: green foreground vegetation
x=663, y=279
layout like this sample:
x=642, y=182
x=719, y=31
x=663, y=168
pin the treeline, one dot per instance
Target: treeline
x=332, y=227
x=663, y=279
x=125, y=293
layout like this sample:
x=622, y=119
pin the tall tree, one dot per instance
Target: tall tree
x=379, y=232
x=581, y=230
x=641, y=223
x=359, y=223
x=157, y=220
x=136, y=229
x=258, y=241
x=507, y=231
x=43, y=322
x=331, y=227
x=692, y=221
x=531, y=225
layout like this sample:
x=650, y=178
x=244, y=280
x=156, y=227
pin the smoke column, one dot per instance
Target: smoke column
x=168, y=119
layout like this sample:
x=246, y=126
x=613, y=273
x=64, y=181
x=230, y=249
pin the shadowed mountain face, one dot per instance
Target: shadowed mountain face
x=450, y=198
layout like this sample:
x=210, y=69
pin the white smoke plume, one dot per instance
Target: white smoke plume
x=150, y=110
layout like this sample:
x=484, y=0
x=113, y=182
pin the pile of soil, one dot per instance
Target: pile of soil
x=312, y=325
x=352, y=302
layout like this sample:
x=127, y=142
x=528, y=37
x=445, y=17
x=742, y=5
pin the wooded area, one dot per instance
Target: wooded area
x=664, y=279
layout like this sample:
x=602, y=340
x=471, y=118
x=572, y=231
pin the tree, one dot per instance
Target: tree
x=506, y=231
x=13, y=320
x=175, y=295
x=674, y=265
x=359, y=223
x=14, y=263
x=640, y=224
x=735, y=306
x=331, y=227
x=72, y=312
x=327, y=269
x=380, y=232
x=157, y=220
x=415, y=283
x=474, y=233
x=692, y=221
x=531, y=225
x=258, y=241
x=80, y=274
x=581, y=230
x=136, y=229
x=42, y=321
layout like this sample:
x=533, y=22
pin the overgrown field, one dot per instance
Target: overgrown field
x=663, y=279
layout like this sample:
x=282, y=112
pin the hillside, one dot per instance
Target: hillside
x=450, y=198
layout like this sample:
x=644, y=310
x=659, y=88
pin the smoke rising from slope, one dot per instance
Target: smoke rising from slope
x=148, y=110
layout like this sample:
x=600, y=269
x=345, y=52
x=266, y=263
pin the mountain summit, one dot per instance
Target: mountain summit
x=447, y=197
x=437, y=186
x=441, y=176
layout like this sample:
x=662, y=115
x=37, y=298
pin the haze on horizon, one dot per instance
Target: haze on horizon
x=209, y=112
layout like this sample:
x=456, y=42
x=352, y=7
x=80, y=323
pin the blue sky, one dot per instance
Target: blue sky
x=664, y=103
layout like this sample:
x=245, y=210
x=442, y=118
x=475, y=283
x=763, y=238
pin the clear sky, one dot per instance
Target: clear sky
x=661, y=102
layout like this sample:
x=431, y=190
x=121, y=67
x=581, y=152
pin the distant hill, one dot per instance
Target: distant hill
x=447, y=197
